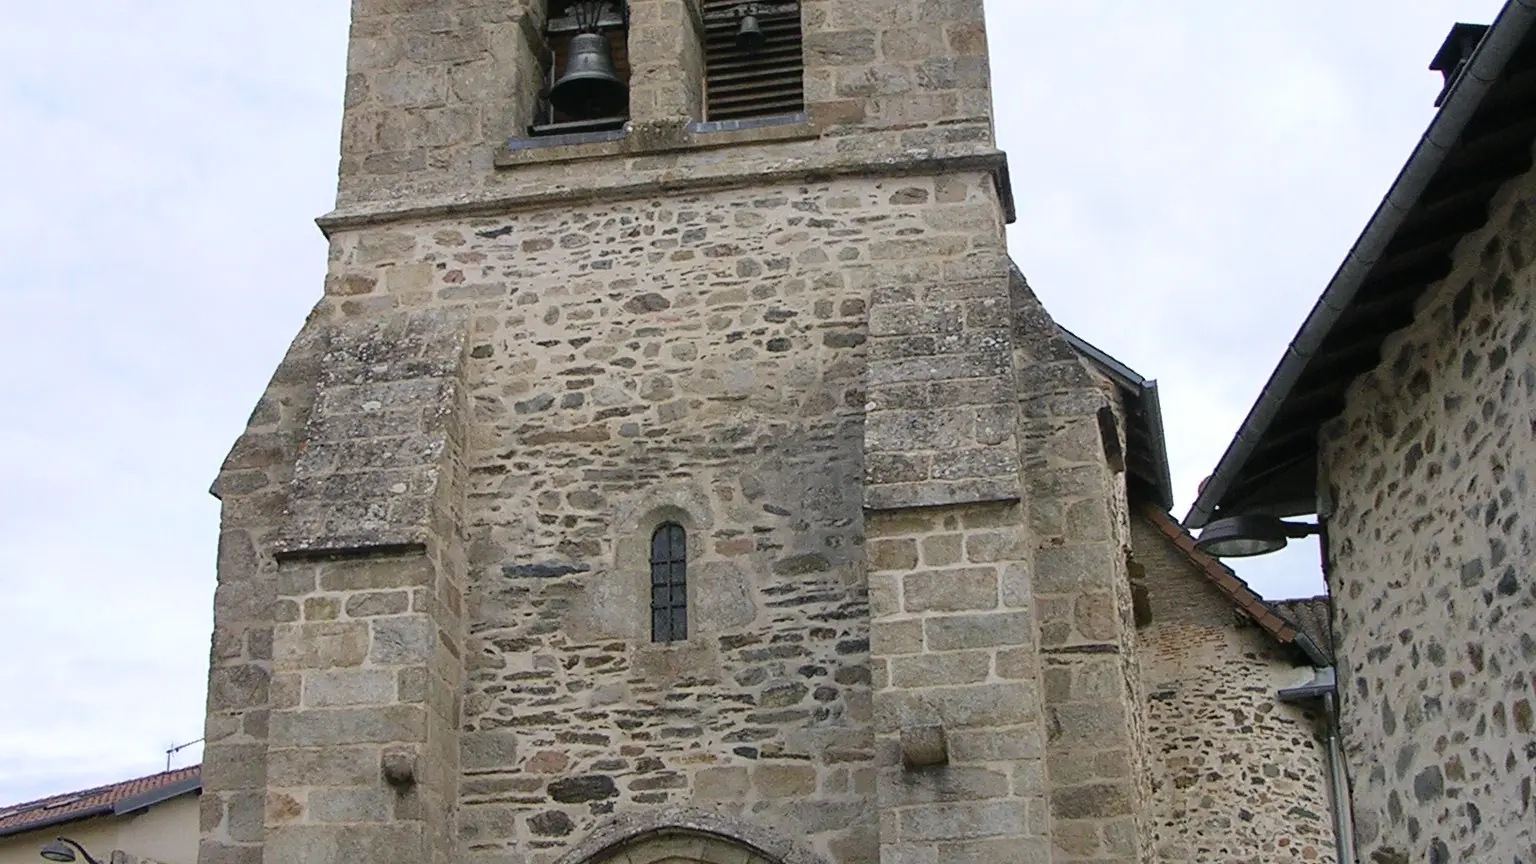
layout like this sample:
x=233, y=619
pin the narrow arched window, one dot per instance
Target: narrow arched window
x=669, y=583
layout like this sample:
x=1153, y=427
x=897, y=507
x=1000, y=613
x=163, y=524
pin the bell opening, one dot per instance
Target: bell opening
x=586, y=79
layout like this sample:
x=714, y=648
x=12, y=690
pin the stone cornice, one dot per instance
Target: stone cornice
x=489, y=202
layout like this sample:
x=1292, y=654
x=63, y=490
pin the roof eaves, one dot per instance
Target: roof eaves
x=145, y=800
x=56, y=819
x=1466, y=94
x=1123, y=375
x=63, y=808
x=1154, y=409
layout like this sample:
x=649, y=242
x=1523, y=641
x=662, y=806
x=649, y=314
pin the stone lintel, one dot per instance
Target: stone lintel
x=626, y=828
x=336, y=550
x=904, y=496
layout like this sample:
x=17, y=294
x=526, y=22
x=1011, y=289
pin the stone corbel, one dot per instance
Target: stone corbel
x=399, y=768
x=924, y=747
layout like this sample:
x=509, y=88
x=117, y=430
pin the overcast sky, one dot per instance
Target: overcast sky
x=1188, y=176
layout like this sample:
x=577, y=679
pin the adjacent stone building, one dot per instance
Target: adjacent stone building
x=1403, y=418
x=676, y=469
x=1239, y=774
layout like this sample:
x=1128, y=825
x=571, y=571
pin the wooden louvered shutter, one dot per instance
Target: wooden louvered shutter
x=741, y=84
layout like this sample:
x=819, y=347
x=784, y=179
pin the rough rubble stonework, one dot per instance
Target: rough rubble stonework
x=1240, y=775
x=1437, y=659
x=805, y=344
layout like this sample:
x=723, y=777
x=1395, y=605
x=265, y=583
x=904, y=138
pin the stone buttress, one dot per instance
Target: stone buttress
x=800, y=342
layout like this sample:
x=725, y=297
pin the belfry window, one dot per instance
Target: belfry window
x=669, y=583
x=753, y=59
x=587, y=82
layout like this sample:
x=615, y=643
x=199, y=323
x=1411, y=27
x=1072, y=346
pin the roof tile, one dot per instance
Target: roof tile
x=1264, y=614
x=86, y=802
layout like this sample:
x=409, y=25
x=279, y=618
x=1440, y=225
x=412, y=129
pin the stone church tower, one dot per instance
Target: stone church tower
x=694, y=481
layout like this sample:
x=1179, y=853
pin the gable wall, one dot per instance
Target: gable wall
x=1238, y=776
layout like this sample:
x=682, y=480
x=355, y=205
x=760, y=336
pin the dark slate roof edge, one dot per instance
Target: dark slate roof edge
x=145, y=800
x=1483, y=68
x=1154, y=409
x=1138, y=388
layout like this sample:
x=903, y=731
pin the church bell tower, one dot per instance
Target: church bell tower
x=675, y=469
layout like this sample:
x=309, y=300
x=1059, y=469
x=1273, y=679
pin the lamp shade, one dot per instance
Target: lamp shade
x=1243, y=536
x=57, y=851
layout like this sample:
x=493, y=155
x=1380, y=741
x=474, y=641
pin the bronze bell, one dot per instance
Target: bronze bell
x=589, y=87
x=749, y=36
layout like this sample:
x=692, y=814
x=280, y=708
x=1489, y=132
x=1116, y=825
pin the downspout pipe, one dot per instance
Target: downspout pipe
x=1324, y=688
x=1338, y=784
x=1467, y=92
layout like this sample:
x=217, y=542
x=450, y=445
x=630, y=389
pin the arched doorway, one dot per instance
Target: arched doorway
x=680, y=846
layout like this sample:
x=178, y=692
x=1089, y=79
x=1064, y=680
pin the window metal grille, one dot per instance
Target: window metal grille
x=669, y=583
x=739, y=83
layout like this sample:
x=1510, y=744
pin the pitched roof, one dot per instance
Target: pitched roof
x=1480, y=139
x=117, y=799
x=1311, y=615
x=1283, y=630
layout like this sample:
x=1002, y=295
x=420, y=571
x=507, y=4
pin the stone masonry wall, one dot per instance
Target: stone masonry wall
x=700, y=359
x=1239, y=776
x=1432, y=545
x=743, y=331
x=955, y=648
x=1076, y=511
x=338, y=514
x=435, y=90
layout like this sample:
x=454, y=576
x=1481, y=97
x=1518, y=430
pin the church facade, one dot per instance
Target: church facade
x=677, y=469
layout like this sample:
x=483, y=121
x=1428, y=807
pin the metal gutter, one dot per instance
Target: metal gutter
x=1324, y=681
x=1309, y=647
x=1466, y=94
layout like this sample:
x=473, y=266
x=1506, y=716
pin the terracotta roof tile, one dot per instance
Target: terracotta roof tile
x=86, y=803
x=1264, y=614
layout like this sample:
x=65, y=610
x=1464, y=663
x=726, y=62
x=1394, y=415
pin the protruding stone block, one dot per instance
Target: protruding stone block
x=924, y=747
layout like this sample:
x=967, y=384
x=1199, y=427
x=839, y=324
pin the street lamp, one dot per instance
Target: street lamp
x=59, y=850
x=1250, y=534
